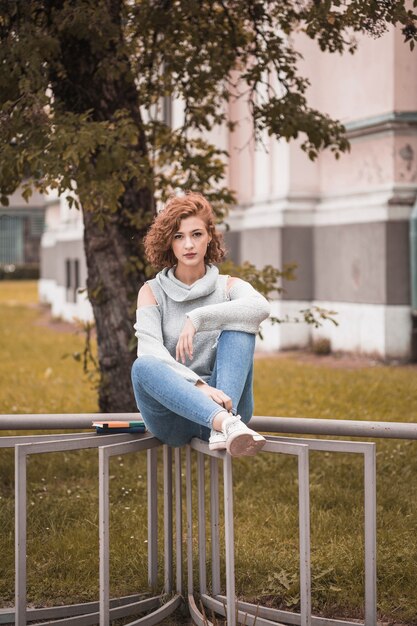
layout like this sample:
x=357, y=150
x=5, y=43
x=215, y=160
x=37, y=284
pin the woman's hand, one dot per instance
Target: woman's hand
x=216, y=394
x=185, y=342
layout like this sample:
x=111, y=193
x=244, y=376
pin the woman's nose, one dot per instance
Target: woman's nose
x=189, y=242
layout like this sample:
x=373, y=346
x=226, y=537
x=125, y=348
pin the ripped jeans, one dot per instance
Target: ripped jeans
x=175, y=410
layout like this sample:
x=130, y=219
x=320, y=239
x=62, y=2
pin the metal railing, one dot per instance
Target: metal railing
x=158, y=607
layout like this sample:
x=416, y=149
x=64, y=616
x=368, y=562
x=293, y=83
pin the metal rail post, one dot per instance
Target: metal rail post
x=168, y=524
x=230, y=540
x=178, y=521
x=152, y=482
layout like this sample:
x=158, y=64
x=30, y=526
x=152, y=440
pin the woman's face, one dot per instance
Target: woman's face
x=189, y=243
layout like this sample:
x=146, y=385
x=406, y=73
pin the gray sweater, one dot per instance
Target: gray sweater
x=210, y=307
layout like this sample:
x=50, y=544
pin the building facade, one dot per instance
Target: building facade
x=345, y=223
x=63, y=275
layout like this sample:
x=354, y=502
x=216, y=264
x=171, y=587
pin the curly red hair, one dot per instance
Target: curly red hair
x=157, y=242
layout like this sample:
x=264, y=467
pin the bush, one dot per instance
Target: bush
x=321, y=346
x=28, y=271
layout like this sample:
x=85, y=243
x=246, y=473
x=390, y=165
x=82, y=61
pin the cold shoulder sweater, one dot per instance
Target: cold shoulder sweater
x=210, y=306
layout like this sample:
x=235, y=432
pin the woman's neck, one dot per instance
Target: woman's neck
x=189, y=275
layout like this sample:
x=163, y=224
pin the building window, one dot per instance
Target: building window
x=11, y=240
x=76, y=274
x=36, y=225
x=167, y=110
x=72, y=279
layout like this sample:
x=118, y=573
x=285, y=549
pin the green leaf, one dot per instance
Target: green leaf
x=27, y=193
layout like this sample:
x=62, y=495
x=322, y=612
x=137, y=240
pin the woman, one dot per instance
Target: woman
x=196, y=333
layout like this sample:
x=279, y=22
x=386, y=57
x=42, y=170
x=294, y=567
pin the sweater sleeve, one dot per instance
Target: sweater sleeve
x=245, y=310
x=150, y=341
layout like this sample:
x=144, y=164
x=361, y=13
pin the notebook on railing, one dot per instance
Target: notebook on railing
x=111, y=428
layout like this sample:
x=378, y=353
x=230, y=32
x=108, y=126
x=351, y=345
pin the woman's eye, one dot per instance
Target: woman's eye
x=198, y=234
x=177, y=236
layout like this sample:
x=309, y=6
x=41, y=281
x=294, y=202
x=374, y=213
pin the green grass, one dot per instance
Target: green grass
x=62, y=488
x=376, y=392
x=37, y=371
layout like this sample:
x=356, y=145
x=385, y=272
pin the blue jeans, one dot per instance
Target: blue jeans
x=175, y=410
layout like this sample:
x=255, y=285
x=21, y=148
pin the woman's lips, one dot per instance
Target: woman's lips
x=190, y=255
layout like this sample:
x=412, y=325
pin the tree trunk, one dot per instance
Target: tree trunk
x=112, y=293
x=113, y=281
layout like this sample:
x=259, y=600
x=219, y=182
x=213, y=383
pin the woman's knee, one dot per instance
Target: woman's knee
x=143, y=366
x=242, y=340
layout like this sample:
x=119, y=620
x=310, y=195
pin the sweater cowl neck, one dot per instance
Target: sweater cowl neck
x=180, y=292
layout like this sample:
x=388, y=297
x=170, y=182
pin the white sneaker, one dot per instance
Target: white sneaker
x=217, y=440
x=241, y=440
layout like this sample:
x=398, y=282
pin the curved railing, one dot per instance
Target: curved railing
x=158, y=607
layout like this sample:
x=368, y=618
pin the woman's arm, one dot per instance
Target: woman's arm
x=149, y=336
x=149, y=333
x=244, y=311
x=145, y=296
